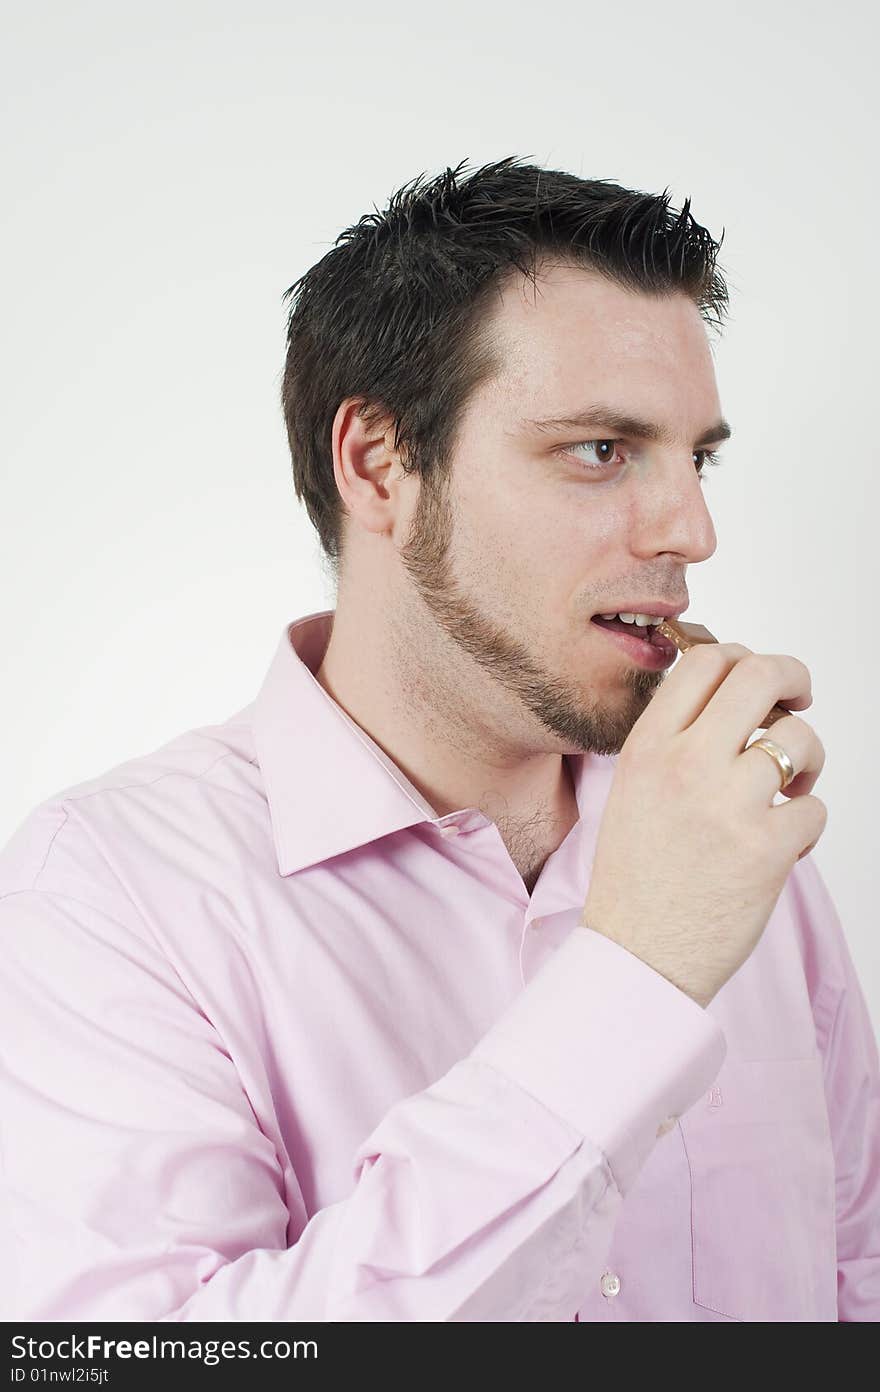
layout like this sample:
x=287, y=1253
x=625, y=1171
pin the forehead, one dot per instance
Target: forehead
x=576, y=336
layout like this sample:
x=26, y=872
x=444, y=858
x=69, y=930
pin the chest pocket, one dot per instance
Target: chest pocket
x=762, y=1193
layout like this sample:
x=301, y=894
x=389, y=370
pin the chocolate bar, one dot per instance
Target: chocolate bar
x=687, y=635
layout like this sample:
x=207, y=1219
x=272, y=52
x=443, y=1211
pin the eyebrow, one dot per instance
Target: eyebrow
x=597, y=418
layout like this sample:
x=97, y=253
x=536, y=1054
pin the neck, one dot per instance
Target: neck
x=425, y=704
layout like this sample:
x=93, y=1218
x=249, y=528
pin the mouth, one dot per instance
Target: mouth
x=642, y=642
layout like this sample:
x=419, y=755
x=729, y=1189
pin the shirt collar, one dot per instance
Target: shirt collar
x=330, y=787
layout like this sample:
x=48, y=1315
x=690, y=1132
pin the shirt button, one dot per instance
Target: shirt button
x=609, y=1285
x=451, y=830
x=666, y=1125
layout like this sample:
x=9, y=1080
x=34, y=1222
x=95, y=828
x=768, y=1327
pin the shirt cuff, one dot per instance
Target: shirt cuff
x=609, y=1045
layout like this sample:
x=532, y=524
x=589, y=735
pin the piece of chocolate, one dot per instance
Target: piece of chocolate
x=687, y=635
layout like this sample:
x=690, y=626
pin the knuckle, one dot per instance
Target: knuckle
x=756, y=665
x=814, y=814
x=697, y=653
x=711, y=656
x=818, y=747
x=802, y=669
x=732, y=649
x=806, y=739
x=797, y=725
x=780, y=668
x=792, y=671
x=818, y=808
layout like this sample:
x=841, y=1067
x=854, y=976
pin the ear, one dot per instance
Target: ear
x=367, y=468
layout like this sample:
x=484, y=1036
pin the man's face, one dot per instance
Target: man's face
x=538, y=530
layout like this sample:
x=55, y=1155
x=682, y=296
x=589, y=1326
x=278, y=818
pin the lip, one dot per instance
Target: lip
x=649, y=606
x=654, y=657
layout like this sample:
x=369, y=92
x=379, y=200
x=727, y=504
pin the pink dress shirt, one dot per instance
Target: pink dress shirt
x=279, y=1043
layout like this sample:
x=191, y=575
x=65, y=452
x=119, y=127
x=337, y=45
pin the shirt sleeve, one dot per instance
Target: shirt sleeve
x=138, y=1184
x=852, y=1088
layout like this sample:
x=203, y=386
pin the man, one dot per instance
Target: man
x=472, y=971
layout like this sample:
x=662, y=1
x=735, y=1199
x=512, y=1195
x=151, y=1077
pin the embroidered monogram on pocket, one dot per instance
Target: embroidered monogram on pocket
x=762, y=1193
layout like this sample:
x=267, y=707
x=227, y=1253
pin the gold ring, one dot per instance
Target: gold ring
x=779, y=757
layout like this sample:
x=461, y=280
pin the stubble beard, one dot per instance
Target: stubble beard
x=561, y=709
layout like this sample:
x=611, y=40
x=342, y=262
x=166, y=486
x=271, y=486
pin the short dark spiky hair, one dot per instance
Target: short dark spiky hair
x=393, y=312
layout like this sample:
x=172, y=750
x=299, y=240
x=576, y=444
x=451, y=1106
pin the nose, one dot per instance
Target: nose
x=673, y=516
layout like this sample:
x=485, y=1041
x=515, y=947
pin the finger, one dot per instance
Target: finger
x=689, y=635
x=802, y=822
x=742, y=700
x=803, y=747
x=686, y=689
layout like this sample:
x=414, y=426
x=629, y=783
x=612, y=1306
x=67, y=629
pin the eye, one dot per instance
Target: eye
x=710, y=459
x=603, y=453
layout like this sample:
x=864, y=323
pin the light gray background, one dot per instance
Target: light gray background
x=168, y=170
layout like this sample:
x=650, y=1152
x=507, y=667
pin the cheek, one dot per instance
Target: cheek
x=544, y=543
x=585, y=523
x=572, y=551
x=497, y=524
x=601, y=517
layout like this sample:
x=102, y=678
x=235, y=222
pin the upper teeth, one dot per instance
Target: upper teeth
x=641, y=619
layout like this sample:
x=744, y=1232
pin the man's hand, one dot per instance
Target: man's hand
x=692, y=855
